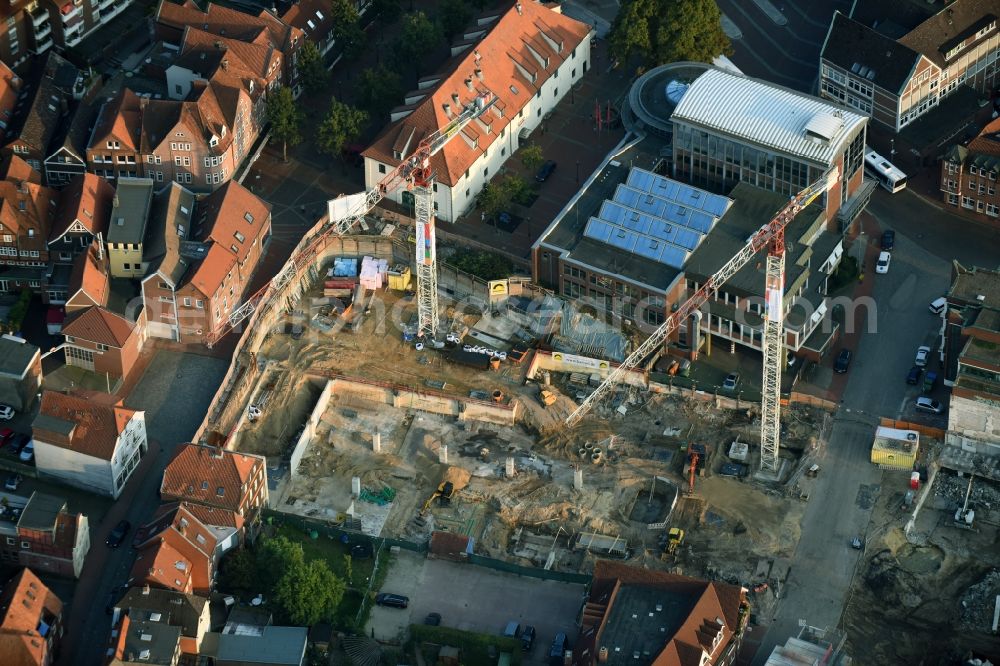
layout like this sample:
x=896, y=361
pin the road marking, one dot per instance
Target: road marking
x=767, y=36
x=730, y=28
x=772, y=12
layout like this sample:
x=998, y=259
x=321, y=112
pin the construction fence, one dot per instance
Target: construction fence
x=533, y=572
x=925, y=431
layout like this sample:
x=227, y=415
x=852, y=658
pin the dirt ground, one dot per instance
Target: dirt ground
x=732, y=525
x=935, y=593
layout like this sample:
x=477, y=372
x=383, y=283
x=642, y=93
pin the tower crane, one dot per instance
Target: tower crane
x=414, y=173
x=770, y=236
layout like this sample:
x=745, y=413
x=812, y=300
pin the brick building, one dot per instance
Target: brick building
x=46, y=537
x=27, y=212
x=25, y=29
x=176, y=552
x=969, y=175
x=31, y=622
x=101, y=341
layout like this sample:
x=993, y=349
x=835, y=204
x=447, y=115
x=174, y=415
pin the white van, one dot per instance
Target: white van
x=938, y=305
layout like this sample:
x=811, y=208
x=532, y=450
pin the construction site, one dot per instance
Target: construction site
x=367, y=429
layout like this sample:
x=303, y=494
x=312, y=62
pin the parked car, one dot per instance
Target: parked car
x=888, y=239
x=117, y=535
x=5, y=436
x=929, y=380
x=857, y=543
x=13, y=481
x=28, y=452
x=433, y=619
x=913, y=376
x=843, y=361
x=736, y=470
x=114, y=596
x=527, y=637
x=882, y=265
x=732, y=379
x=545, y=171
x=392, y=600
x=6, y=412
x=512, y=630
x=558, y=649
x=926, y=404
x=18, y=442
x=938, y=305
x=923, y=351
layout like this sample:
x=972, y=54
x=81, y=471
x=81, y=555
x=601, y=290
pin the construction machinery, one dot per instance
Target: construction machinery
x=770, y=236
x=546, y=397
x=675, y=538
x=964, y=516
x=443, y=494
x=415, y=174
x=696, y=454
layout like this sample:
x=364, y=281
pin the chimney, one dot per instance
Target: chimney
x=519, y=8
x=478, y=57
x=479, y=74
x=225, y=64
x=455, y=99
x=447, y=109
x=468, y=83
x=145, y=590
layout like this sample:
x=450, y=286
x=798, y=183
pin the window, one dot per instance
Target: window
x=239, y=237
x=187, y=302
x=102, y=347
x=248, y=217
x=177, y=160
x=381, y=168
x=200, y=304
x=967, y=202
x=220, y=491
x=127, y=267
x=486, y=172
x=25, y=545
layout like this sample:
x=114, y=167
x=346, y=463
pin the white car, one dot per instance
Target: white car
x=882, y=265
x=6, y=412
x=923, y=352
x=501, y=355
x=419, y=346
x=28, y=452
x=466, y=348
x=453, y=337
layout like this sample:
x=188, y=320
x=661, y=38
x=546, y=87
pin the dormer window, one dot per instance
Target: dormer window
x=214, y=141
x=222, y=132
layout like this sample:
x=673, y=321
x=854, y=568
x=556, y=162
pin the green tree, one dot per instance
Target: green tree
x=454, y=16
x=482, y=264
x=491, y=199
x=285, y=118
x=238, y=571
x=274, y=556
x=531, y=156
x=662, y=31
x=378, y=90
x=348, y=34
x=307, y=593
x=388, y=11
x=342, y=124
x=311, y=67
x=418, y=39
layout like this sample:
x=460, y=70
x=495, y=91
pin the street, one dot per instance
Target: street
x=174, y=391
x=823, y=566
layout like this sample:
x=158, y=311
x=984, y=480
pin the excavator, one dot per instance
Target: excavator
x=443, y=494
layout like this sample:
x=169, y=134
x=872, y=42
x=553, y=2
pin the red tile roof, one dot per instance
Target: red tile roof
x=10, y=87
x=712, y=600
x=84, y=206
x=96, y=324
x=209, y=475
x=15, y=169
x=119, y=120
x=219, y=20
x=214, y=516
x=313, y=17
x=162, y=565
x=176, y=529
x=26, y=208
x=205, y=52
x=24, y=602
x=519, y=45
x=95, y=427
x=987, y=142
x=90, y=279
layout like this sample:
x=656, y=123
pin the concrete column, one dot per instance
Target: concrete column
x=510, y=466
x=443, y=454
x=355, y=486
x=694, y=334
x=577, y=478
x=377, y=442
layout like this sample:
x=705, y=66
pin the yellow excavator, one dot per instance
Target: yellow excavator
x=443, y=494
x=675, y=537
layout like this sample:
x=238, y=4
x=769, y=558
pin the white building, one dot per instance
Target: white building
x=528, y=57
x=87, y=445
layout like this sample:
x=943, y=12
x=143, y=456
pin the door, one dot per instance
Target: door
x=81, y=358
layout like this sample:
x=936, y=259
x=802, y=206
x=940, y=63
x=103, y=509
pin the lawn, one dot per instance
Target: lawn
x=334, y=553
x=477, y=649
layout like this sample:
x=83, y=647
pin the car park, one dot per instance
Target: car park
x=392, y=600
x=926, y=404
x=27, y=454
x=527, y=637
x=545, y=171
x=882, y=265
x=843, y=361
x=732, y=379
x=923, y=351
x=888, y=239
x=13, y=481
x=6, y=412
x=117, y=535
x=913, y=376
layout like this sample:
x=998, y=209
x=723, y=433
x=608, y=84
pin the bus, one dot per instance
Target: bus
x=882, y=170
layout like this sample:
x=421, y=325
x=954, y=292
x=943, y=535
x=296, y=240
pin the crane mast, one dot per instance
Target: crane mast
x=765, y=237
x=414, y=173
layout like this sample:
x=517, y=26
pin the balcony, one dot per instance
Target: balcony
x=44, y=44
x=42, y=31
x=69, y=12
x=39, y=17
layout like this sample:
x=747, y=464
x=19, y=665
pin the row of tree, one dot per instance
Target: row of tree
x=661, y=31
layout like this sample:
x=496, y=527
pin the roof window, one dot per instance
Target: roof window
x=220, y=491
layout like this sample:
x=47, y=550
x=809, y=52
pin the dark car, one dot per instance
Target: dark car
x=18, y=442
x=117, y=535
x=558, y=650
x=433, y=619
x=888, y=239
x=737, y=470
x=843, y=361
x=527, y=637
x=913, y=376
x=392, y=600
x=546, y=171
x=5, y=436
x=114, y=596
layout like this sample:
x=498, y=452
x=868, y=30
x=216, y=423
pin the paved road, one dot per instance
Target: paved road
x=823, y=565
x=174, y=391
x=780, y=40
